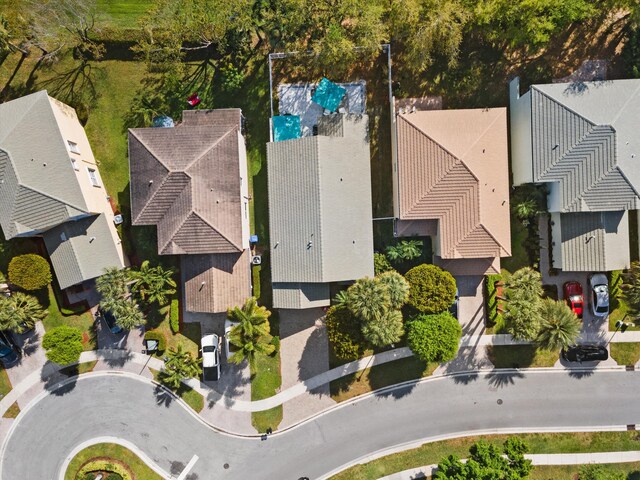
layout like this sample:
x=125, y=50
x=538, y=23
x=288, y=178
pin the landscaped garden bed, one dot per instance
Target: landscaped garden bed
x=97, y=457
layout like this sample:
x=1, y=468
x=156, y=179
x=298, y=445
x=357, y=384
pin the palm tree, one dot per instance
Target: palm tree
x=153, y=284
x=397, y=287
x=252, y=333
x=20, y=312
x=384, y=331
x=112, y=287
x=560, y=326
x=127, y=313
x=523, y=294
x=405, y=250
x=341, y=299
x=178, y=366
x=369, y=299
x=524, y=283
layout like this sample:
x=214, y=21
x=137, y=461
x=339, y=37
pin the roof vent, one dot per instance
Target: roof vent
x=555, y=147
x=92, y=239
x=150, y=182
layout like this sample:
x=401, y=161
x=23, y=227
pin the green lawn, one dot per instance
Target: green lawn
x=74, y=370
x=521, y=356
x=265, y=381
x=84, y=322
x=116, y=452
x=189, y=337
x=570, y=472
x=432, y=453
x=120, y=14
x=625, y=353
x=187, y=394
x=380, y=376
x=13, y=411
x=5, y=383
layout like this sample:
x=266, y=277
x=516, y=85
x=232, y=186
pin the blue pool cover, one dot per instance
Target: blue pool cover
x=328, y=94
x=286, y=127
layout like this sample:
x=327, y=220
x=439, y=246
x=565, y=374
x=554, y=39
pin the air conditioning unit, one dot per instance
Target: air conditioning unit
x=256, y=259
x=117, y=219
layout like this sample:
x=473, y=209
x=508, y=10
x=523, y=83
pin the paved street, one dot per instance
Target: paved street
x=128, y=408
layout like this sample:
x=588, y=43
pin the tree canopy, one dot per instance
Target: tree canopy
x=431, y=289
x=29, y=271
x=559, y=327
x=523, y=296
x=63, y=344
x=20, y=312
x=252, y=334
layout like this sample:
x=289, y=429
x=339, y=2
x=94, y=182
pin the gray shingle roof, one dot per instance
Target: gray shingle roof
x=584, y=138
x=594, y=241
x=301, y=295
x=320, y=212
x=39, y=188
x=186, y=180
x=81, y=250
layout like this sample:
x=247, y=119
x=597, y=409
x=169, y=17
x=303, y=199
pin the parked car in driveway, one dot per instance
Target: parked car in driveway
x=599, y=286
x=210, y=349
x=110, y=320
x=9, y=351
x=573, y=296
x=585, y=353
x=229, y=348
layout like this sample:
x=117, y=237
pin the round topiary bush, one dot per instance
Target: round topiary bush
x=345, y=335
x=63, y=344
x=434, y=338
x=30, y=272
x=159, y=337
x=432, y=290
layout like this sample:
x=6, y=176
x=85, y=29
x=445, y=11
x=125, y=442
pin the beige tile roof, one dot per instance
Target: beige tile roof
x=186, y=180
x=453, y=167
x=214, y=283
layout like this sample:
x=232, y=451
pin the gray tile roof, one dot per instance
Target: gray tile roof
x=594, y=241
x=301, y=295
x=214, y=283
x=186, y=180
x=39, y=188
x=81, y=250
x=320, y=211
x=584, y=138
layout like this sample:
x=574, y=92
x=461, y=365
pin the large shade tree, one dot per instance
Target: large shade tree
x=252, y=334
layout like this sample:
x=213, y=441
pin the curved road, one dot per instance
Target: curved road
x=128, y=408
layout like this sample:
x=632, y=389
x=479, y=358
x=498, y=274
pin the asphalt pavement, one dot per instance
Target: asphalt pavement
x=129, y=408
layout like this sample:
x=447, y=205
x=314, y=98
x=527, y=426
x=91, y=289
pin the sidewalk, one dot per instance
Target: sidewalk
x=536, y=459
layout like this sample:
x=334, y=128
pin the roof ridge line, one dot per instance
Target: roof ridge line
x=562, y=105
x=215, y=230
x=215, y=144
x=625, y=104
x=86, y=210
x=479, y=137
x=150, y=201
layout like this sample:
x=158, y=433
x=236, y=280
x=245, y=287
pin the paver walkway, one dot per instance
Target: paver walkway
x=536, y=459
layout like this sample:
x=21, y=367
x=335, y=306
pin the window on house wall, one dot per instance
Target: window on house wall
x=93, y=176
x=74, y=164
x=73, y=147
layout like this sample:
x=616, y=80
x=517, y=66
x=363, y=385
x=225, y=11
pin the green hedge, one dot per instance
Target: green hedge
x=162, y=341
x=174, y=319
x=493, y=315
x=30, y=272
x=63, y=344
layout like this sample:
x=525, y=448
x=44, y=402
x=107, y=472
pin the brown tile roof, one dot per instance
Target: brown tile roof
x=453, y=167
x=186, y=180
x=214, y=283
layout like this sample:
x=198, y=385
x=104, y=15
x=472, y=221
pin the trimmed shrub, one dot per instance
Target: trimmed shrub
x=107, y=465
x=174, y=318
x=381, y=264
x=432, y=290
x=434, y=338
x=63, y=344
x=343, y=330
x=159, y=337
x=30, y=272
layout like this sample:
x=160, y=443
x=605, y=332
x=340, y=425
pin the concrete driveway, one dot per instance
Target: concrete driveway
x=304, y=353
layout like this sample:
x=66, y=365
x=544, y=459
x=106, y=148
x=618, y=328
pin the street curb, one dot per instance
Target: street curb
x=123, y=443
x=438, y=438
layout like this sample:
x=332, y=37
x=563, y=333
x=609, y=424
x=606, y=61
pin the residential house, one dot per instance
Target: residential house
x=451, y=183
x=581, y=140
x=191, y=182
x=50, y=187
x=320, y=211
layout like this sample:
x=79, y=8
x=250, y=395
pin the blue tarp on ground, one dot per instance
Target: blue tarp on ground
x=286, y=127
x=328, y=95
